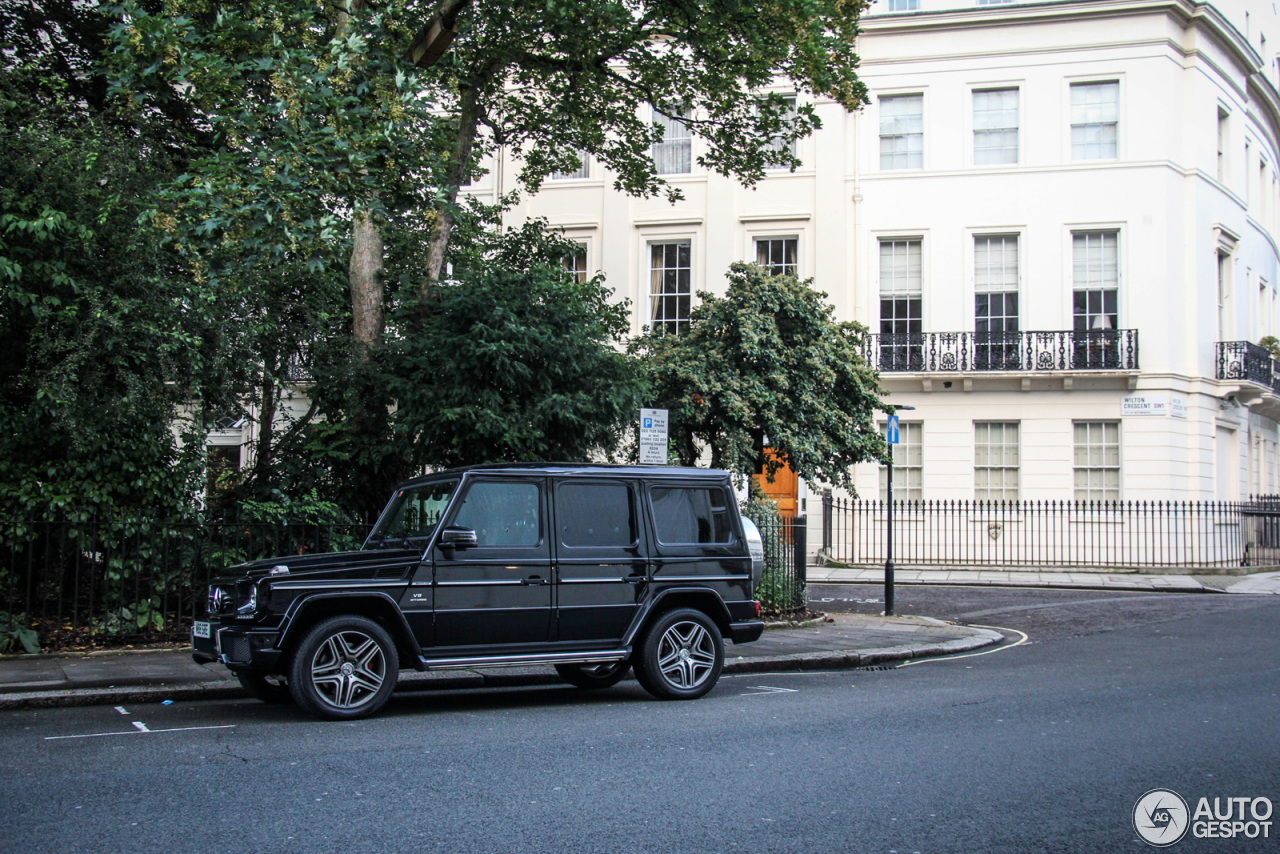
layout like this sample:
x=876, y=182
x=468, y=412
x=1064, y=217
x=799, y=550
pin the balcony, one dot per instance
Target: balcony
x=1113, y=350
x=1244, y=360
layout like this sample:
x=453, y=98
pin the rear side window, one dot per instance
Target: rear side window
x=691, y=514
x=595, y=514
x=502, y=514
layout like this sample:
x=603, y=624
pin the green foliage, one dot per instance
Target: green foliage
x=553, y=79
x=516, y=361
x=773, y=591
x=13, y=633
x=1271, y=343
x=768, y=358
x=95, y=348
x=312, y=113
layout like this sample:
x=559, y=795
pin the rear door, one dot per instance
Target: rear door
x=499, y=591
x=601, y=568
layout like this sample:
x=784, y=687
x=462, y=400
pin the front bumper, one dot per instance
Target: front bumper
x=239, y=648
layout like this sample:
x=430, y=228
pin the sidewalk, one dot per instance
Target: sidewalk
x=1263, y=582
x=844, y=641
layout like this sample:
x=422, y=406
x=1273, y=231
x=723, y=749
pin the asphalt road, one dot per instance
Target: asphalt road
x=1042, y=746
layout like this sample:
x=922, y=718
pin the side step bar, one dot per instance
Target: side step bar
x=524, y=660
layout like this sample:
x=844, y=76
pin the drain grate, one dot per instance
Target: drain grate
x=878, y=667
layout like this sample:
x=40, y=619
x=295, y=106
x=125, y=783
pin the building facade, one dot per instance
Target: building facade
x=1057, y=219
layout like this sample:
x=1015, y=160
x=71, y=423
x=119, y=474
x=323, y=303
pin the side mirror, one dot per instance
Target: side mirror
x=455, y=537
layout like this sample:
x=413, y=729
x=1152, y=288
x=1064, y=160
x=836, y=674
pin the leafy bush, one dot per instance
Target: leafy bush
x=14, y=633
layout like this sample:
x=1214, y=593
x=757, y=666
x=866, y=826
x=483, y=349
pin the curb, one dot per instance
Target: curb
x=226, y=689
x=1039, y=585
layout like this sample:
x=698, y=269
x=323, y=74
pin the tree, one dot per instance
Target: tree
x=522, y=359
x=96, y=343
x=328, y=144
x=319, y=175
x=768, y=359
x=553, y=80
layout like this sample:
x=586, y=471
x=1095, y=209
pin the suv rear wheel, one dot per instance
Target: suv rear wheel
x=681, y=656
x=345, y=668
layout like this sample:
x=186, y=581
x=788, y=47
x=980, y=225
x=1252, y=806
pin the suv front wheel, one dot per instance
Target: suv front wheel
x=681, y=656
x=346, y=667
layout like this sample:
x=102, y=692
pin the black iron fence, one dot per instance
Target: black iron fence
x=105, y=582
x=931, y=352
x=1117, y=535
x=782, y=589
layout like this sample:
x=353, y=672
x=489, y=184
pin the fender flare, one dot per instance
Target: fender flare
x=719, y=614
x=398, y=626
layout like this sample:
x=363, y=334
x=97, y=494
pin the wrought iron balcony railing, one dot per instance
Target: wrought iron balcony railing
x=1244, y=360
x=947, y=352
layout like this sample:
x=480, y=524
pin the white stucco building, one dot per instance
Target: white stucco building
x=1058, y=219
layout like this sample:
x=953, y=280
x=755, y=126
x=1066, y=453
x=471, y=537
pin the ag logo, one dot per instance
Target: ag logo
x=1160, y=817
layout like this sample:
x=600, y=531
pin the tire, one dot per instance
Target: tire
x=681, y=656
x=604, y=675
x=268, y=687
x=345, y=668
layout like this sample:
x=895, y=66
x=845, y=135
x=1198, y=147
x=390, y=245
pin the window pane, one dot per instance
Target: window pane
x=670, y=286
x=902, y=132
x=778, y=255
x=690, y=515
x=580, y=172
x=502, y=514
x=595, y=514
x=995, y=126
x=776, y=144
x=673, y=155
x=1097, y=460
x=996, y=460
x=1095, y=111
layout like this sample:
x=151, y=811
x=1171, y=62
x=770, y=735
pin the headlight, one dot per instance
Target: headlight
x=250, y=606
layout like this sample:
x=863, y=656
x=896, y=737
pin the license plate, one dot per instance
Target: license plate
x=200, y=630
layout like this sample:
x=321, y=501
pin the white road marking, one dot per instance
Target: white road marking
x=1023, y=639
x=122, y=710
x=757, y=690
x=137, y=732
x=141, y=726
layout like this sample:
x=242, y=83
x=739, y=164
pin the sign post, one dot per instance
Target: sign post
x=892, y=435
x=653, y=437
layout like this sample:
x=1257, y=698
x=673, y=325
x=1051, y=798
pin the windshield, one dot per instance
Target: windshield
x=412, y=515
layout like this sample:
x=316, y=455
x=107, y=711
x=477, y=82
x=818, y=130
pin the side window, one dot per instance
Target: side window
x=502, y=514
x=596, y=514
x=686, y=514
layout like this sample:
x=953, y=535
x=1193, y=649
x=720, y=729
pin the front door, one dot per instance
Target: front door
x=497, y=592
x=785, y=488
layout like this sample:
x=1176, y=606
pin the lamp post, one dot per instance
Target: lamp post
x=888, y=561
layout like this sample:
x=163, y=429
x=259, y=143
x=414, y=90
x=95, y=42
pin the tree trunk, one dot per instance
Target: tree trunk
x=266, y=423
x=468, y=121
x=365, y=276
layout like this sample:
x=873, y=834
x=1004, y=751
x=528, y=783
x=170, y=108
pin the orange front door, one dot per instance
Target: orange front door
x=785, y=489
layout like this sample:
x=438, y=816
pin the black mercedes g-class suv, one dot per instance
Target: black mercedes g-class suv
x=595, y=569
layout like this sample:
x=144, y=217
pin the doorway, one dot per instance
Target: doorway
x=785, y=489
